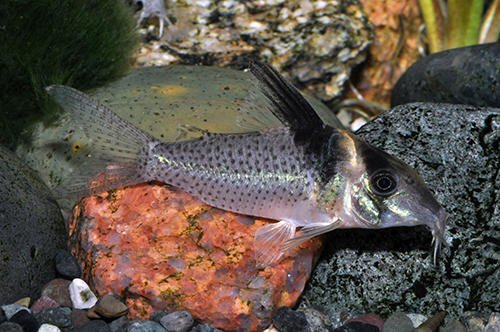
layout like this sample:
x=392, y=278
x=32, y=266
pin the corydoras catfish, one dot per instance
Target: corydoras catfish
x=307, y=175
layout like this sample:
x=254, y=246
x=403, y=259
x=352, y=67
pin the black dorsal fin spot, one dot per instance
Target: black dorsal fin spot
x=289, y=106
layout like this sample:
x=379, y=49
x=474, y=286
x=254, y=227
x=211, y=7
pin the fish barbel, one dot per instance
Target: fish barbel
x=310, y=176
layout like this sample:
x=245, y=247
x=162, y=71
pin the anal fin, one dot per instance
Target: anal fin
x=269, y=240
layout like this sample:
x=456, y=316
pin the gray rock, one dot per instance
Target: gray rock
x=453, y=326
x=177, y=321
x=67, y=266
x=31, y=230
x=467, y=75
x=10, y=327
x=158, y=315
x=119, y=324
x=10, y=310
x=3, y=318
x=60, y=317
x=288, y=320
x=398, y=322
x=26, y=320
x=455, y=149
x=205, y=328
x=94, y=326
x=145, y=326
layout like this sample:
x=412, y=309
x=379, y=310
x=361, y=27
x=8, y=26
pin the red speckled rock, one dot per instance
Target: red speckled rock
x=162, y=250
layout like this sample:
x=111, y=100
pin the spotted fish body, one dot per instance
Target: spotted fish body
x=306, y=174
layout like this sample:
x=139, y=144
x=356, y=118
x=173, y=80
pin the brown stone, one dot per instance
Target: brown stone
x=42, y=303
x=57, y=290
x=110, y=307
x=163, y=251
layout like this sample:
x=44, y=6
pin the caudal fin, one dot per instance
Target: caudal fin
x=117, y=151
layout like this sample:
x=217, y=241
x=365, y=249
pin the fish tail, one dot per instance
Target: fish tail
x=116, y=154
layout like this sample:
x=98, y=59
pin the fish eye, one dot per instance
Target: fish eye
x=383, y=183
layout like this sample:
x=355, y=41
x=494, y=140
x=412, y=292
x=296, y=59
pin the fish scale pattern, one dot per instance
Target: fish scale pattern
x=253, y=174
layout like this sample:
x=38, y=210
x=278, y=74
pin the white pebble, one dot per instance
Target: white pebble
x=357, y=123
x=81, y=295
x=49, y=328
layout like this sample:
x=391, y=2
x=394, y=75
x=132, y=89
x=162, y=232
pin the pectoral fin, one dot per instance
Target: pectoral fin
x=308, y=232
x=269, y=240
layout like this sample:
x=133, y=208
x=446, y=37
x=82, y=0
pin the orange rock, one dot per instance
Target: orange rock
x=394, y=49
x=162, y=250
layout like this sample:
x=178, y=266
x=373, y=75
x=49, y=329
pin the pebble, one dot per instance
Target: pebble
x=119, y=325
x=27, y=321
x=60, y=317
x=92, y=314
x=10, y=327
x=110, y=307
x=454, y=326
x=205, y=328
x=417, y=319
x=57, y=290
x=288, y=320
x=398, y=322
x=94, y=326
x=49, y=328
x=357, y=327
x=25, y=302
x=493, y=323
x=12, y=309
x=67, y=266
x=43, y=302
x=177, y=321
x=432, y=324
x=475, y=324
x=318, y=321
x=79, y=317
x=145, y=326
x=81, y=295
x=158, y=315
x=370, y=319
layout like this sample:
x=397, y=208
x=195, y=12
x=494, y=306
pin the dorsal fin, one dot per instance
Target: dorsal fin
x=287, y=103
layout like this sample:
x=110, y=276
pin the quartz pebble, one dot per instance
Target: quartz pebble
x=49, y=328
x=110, y=307
x=12, y=309
x=81, y=295
x=67, y=266
x=10, y=327
x=145, y=326
x=58, y=290
x=177, y=321
x=26, y=320
x=42, y=303
x=416, y=319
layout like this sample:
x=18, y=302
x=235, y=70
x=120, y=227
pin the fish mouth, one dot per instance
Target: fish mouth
x=437, y=229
